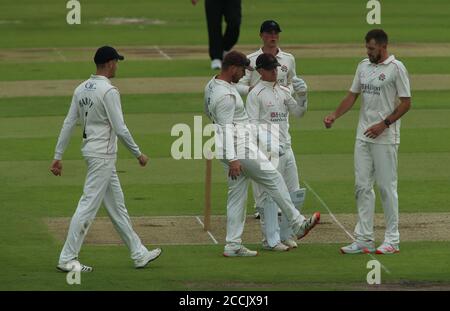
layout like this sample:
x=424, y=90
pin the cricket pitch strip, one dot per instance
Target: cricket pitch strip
x=188, y=230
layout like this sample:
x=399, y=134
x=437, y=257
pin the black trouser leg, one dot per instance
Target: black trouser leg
x=214, y=11
x=233, y=20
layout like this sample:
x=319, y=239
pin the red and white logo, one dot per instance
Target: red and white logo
x=382, y=77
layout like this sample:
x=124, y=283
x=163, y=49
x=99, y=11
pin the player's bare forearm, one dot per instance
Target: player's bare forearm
x=345, y=105
x=405, y=105
x=377, y=129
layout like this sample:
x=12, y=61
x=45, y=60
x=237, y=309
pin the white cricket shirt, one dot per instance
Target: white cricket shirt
x=96, y=103
x=269, y=103
x=380, y=86
x=224, y=106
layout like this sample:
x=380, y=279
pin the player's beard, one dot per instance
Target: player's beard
x=375, y=59
x=236, y=77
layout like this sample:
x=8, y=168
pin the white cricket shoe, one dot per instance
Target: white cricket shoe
x=216, y=64
x=307, y=225
x=73, y=265
x=387, y=249
x=280, y=247
x=290, y=243
x=358, y=247
x=241, y=252
x=147, y=258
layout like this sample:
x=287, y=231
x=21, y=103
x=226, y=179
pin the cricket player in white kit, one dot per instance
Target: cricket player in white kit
x=96, y=103
x=269, y=104
x=270, y=36
x=286, y=73
x=224, y=106
x=386, y=97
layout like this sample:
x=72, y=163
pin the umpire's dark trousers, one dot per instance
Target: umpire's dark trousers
x=218, y=42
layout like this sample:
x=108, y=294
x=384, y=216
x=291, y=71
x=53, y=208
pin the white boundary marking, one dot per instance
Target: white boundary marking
x=162, y=53
x=340, y=224
x=209, y=233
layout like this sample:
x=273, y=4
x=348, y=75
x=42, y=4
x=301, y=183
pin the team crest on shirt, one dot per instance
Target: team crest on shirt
x=90, y=86
x=382, y=77
x=284, y=68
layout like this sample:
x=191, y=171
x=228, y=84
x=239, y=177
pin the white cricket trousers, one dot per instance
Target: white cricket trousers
x=102, y=185
x=273, y=183
x=376, y=163
x=272, y=230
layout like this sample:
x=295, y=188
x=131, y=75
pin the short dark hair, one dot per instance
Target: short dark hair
x=266, y=61
x=379, y=35
x=235, y=58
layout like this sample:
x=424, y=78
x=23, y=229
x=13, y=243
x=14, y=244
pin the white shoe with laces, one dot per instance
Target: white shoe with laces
x=387, y=249
x=307, y=225
x=73, y=266
x=241, y=252
x=147, y=258
x=290, y=243
x=358, y=247
x=280, y=247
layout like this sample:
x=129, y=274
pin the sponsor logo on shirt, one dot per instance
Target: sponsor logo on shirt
x=276, y=116
x=370, y=89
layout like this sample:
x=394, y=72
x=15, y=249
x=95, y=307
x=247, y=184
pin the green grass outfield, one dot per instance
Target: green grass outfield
x=42, y=23
x=188, y=68
x=29, y=127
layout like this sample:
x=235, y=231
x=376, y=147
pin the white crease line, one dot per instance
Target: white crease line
x=209, y=233
x=161, y=52
x=340, y=225
x=60, y=54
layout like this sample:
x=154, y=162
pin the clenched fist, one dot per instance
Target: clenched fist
x=143, y=159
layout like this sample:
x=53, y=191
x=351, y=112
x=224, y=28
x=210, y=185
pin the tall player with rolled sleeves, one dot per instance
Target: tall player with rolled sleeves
x=384, y=86
x=96, y=103
x=269, y=104
x=224, y=106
